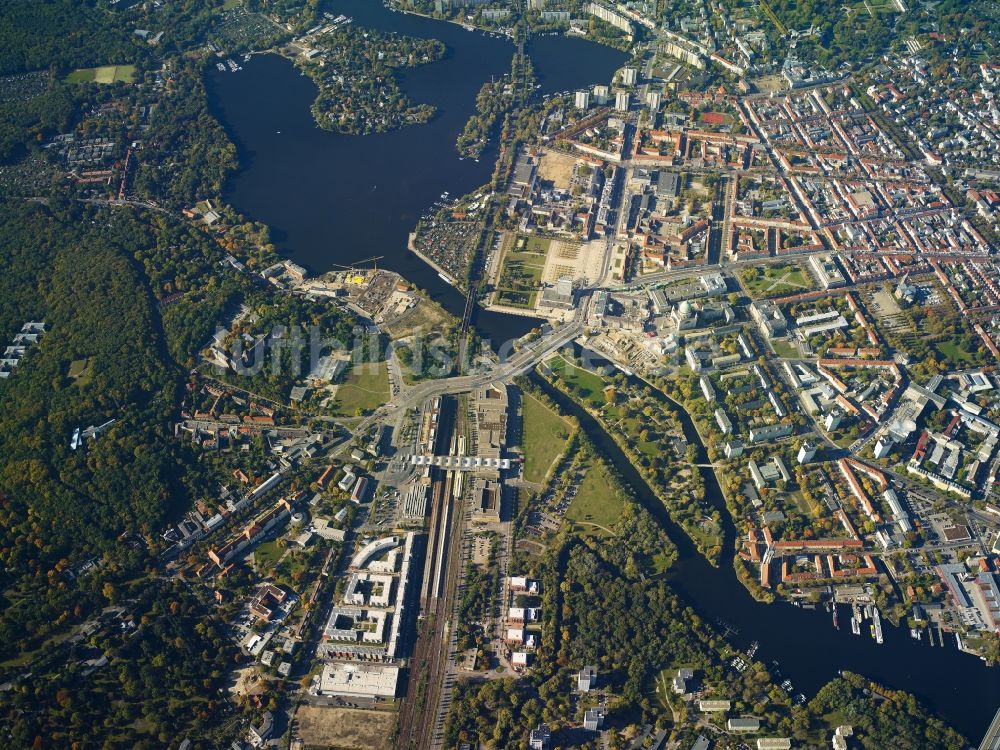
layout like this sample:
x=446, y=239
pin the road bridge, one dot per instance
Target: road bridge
x=992, y=739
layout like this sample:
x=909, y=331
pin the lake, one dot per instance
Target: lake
x=332, y=200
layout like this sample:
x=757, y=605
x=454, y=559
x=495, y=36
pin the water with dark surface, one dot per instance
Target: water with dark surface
x=810, y=652
x=332, y=199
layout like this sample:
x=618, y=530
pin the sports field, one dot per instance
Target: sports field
x=103, y=74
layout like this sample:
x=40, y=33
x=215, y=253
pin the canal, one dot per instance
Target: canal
x=809, y=651
x=332, y=200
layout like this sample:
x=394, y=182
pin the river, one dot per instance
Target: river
x=810, y=652
x=332, y=199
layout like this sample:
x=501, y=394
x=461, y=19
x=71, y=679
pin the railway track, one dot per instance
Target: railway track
x=418, y=714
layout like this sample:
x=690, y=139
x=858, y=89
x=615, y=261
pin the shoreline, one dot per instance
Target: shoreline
x=445, y=276
x=465, y=25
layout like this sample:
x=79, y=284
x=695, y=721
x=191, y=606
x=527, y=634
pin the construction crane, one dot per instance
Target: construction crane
x=374, y=260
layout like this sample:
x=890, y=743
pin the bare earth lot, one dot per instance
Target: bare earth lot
x=556, y=168
x=343, y=728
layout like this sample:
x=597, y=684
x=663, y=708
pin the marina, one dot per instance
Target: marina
x=321, y=217
x=327, y=214
x=802, y=642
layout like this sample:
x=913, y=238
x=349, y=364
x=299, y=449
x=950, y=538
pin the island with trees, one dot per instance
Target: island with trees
x=354, y=70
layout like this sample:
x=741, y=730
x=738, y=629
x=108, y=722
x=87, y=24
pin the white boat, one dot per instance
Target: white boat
x=876, y=626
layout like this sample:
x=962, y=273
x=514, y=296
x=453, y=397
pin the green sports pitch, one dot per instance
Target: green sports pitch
x=103, y=74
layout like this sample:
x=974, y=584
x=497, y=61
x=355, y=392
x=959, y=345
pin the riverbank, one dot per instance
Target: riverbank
x=810, y=651
x=650, y=445
x=445, y=276
x=463, y=24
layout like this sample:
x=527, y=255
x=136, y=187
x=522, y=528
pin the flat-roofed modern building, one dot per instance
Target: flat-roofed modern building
x=359, y=680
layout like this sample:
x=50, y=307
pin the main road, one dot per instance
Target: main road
x=518, y=364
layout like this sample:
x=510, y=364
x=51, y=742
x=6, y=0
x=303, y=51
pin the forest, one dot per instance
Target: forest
x=26, y=122
x=881, y=718
x=39, y=34
x=186, y=154
x=109, y=694
x=112, y=350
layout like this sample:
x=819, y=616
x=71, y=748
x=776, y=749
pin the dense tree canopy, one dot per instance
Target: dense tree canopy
x=35, y=34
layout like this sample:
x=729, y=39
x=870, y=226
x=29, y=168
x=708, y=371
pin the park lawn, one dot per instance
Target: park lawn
x=705, y=535
x=783, y=349
x=81, y=75
x=876, y=7
x=633, y=429
x=953, y=352
x=835, y=719
x=661, y=563
x=517, y=299
x=531, y=270
x=266, y=555
x=545, y=437
x=103, y=74
x=796, y=502
x=231, y=4
x=587, y=384
x=26, y=657
x=842, y=438
x=521, y=270
x=532, y=244
x=519, y=280
x=81, y=371
x=538, y=245
x=772, y=281
x=365, y=388
x=294, y=565
x=799, y=278
x=663, y=688
x=596, y=506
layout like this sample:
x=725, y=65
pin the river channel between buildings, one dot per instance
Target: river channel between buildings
x=807, y=648
x=332, y=200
